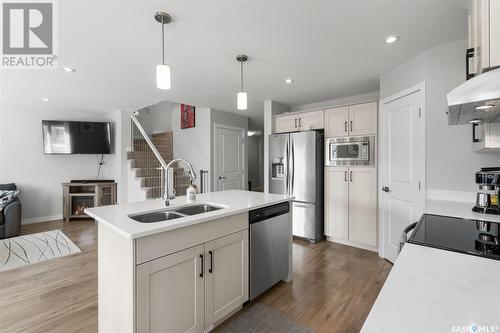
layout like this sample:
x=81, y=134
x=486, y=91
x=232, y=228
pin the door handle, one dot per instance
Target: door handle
x=222, y=178
x=386, y=189
x=345, y=126
x=202, y=265
x=211, y=269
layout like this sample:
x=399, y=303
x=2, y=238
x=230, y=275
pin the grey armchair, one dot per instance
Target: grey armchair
x=10, y=217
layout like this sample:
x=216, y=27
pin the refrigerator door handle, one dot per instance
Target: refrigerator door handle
x=287, y=167
x=293, y=167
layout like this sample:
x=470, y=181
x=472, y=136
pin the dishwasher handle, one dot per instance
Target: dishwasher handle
x=265, y=213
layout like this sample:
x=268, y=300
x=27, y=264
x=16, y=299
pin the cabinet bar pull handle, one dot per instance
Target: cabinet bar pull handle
x=295, y=122
x=351, y=125
x=300, y=122
x=345, y=175
x=345, y=126
x=350, y=176
x=211, y=270
x=202, y=265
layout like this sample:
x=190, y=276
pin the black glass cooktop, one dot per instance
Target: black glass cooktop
x=480, y=238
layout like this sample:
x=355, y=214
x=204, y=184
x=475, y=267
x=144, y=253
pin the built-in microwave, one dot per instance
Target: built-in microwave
x=352, y=150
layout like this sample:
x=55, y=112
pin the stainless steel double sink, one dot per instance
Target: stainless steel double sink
x=173, y=213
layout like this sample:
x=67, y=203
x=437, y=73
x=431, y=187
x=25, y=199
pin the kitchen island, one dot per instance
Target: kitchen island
x=185, y=274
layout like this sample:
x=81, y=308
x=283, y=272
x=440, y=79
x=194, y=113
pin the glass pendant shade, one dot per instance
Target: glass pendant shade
x=241, y=100
x=163, y=77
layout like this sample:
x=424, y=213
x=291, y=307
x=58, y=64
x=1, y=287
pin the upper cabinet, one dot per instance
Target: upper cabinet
x=484, y=35
x=299, y=122
x=353, y=120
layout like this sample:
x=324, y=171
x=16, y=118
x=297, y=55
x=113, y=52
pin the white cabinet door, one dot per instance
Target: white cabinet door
x=363, y=205
x=286, y=123
x=312, y=120
x=494, y=32
x=336, y=122
x=226, y=271
x=363, y=119
x=170, y=293
x=336, y=203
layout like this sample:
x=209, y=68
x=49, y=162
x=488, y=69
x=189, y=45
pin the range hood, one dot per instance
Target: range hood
x=476, y=100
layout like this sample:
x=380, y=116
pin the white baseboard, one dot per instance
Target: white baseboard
x=354, y=244
x=42, y=219
x=460, y=196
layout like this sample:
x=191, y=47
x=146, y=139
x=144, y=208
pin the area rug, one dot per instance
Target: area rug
x=262, y=319
x=29, y=249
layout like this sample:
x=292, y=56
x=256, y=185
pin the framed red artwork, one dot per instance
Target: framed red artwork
x=187, y=116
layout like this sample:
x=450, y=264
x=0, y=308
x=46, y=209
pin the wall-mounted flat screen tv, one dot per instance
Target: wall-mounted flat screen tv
x=76, y=137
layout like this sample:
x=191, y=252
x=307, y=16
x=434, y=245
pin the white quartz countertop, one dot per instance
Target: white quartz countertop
x=233, y=201
x=432, y=290
x=457, y=209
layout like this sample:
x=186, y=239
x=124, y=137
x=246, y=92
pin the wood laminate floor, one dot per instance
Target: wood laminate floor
x=333, y=289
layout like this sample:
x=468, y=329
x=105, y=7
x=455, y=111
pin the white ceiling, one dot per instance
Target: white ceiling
x=330, y=48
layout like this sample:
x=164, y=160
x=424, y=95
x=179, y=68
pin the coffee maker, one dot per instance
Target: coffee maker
x=488, y=181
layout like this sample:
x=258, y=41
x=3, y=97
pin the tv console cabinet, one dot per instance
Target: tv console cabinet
x=78, y=196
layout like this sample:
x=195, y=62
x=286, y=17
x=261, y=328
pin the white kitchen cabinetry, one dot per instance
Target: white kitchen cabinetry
x=299, y=122
x=351, y=206
x=171, y=293
x=192, y=290
x=336, y=122
x=363, y=205
x=286, y=123
x=226, y=283
x=337, y=202
x=352, y=120
x=484, y=34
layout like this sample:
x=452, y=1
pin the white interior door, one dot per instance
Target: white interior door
x=229, y=172
x=402, y=165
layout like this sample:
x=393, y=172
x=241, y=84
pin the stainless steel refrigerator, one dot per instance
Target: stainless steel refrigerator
x=296, y=168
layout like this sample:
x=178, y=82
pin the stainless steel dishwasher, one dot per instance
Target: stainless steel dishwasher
x=270, y=250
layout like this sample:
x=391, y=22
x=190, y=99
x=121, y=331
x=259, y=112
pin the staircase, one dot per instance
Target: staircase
x=147, y=168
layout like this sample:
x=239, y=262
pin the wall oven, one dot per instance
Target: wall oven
x=352, y=150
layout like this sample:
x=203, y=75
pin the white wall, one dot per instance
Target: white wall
x=192, y=144
x=349, y=100
x=157, y=118
x=39, y=176
x=450, y=161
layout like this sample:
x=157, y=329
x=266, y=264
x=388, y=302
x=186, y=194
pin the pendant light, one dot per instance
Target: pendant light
x=241, y=98
x=163, y=71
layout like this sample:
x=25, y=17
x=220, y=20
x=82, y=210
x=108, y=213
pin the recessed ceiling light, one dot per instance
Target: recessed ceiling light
x=484, y=107
x=391, y=39
x=288, y=81
x=46, y=99
x=69, y=69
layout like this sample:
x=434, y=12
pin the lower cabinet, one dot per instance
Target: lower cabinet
x=351, y=205
x=191, y=290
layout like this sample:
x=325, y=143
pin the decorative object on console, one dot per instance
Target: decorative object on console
x=187, y=116
x=30, y=249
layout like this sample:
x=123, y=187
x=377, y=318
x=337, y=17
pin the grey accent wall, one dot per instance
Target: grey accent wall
x=450, y=161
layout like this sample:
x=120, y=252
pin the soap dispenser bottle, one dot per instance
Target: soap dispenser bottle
x=191, y=193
